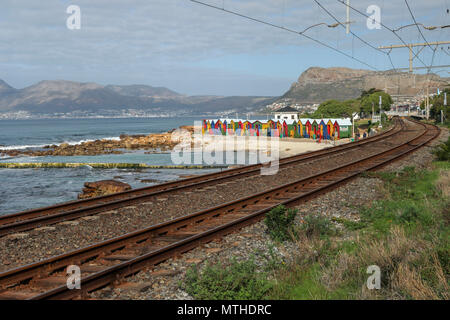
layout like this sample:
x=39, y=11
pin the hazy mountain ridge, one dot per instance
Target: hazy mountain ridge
x=6, y=88
x=61, y=96
x=144, y=91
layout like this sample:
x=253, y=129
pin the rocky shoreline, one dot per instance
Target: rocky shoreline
x=155, y=142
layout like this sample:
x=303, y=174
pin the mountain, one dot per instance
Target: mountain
x=234, y=103
x=60, y=96
x=316, y=85
x=5, y=88
x=144, y=91
x=65, y=96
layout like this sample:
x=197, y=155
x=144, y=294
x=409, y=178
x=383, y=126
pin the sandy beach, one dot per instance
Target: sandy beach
x=285, y=146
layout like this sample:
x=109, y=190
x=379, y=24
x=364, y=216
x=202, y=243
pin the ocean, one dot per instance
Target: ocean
x=17, y=134
x=22, y=189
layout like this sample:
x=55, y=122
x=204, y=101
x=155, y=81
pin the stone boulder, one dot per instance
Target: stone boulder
x=103, y=187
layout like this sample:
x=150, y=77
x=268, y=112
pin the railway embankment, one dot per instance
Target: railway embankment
x=265, y=261
x=396, y=218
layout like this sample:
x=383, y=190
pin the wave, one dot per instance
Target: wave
x=21, y=147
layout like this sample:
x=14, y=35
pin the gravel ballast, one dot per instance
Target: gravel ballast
x=163, y=282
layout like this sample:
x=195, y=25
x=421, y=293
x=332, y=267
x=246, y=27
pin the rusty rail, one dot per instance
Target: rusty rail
x=34, y=218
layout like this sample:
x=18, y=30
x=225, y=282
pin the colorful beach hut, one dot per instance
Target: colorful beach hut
x=323, y=130
x=315, y=129
x=345, y=128
x=330, y=128
x=299, y=131
x=308, y=129
x=336, y=129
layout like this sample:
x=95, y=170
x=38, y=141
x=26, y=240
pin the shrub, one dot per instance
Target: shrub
x=315, y=225
x=236, y=281
x=442, y=151
x=280, y=223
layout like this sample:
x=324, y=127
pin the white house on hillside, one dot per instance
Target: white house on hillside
x=286, y=113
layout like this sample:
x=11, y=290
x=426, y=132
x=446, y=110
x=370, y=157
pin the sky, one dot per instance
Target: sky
x=198, y=50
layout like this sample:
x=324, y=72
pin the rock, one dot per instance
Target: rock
x=47, y=228
x=69, y=223
x=103, y=187
x=89, y=218
x=64, y=145
x=156, y=141
x=16, y=236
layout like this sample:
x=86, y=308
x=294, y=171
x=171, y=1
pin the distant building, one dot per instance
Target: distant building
x=286, y=113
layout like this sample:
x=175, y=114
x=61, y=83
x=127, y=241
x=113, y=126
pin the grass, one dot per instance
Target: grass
x=442, y=151
x=405, y=234
x=232, y=281
x=316, y=225
x=279, y=222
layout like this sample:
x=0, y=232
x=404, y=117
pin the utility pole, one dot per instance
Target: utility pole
x=347, y=27
x=410, y=47
x=373, y=111
x=381, y=110
x=444, y=106
x=386, y=90
x=353, y=127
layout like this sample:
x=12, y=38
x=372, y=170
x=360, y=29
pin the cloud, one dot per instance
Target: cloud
x=164, y=42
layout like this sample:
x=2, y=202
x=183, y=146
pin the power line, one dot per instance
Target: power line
x=424, y=26
x=355, y=35
x=286, y=29
x=426, y=41
x=415, y=22
x=383, y=25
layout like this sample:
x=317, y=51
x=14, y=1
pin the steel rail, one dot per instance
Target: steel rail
x=216, y=222
x=26, y=220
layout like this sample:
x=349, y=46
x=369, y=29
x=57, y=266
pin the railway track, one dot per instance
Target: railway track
x=40, y=217
x=110, y=261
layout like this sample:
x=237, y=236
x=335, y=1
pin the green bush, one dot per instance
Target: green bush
x=236, y=281
x=442, y=152
x=280, y=223
x=315, y=225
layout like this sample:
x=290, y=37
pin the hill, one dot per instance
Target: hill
x=317, y=85
x=60, y=96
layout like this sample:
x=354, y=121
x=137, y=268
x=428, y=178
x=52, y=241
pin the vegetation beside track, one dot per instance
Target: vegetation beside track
x=405, y=234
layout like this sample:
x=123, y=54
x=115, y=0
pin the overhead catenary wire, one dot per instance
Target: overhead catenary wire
x=424, y=26
x=301, y=33
x=426, y=41
x=415, y=22
x=355, y=35
x=384, y=26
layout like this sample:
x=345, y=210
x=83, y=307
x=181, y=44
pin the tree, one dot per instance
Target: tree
x=373, y=99
x=345, y=109
x=365, y=93
x=437, y=104
x=337, y=109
